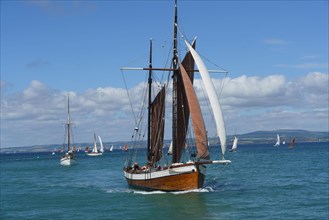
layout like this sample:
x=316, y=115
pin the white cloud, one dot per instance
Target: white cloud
x=316, y=81
x=37, y=114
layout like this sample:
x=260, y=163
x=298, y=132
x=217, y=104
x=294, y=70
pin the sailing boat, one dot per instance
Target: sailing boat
x=234, y=145
x=69, y=157
x=125, y=148
x=181, y=174
x=111, y=149
x=292, y=143
x=94, y=151
x=277, y=141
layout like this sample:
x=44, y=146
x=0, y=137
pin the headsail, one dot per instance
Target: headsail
x=196, y=116
x=211, y=92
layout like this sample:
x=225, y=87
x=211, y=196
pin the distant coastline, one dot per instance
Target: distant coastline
x=257, y=137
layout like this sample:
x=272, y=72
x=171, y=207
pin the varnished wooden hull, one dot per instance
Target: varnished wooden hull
x=186, y=178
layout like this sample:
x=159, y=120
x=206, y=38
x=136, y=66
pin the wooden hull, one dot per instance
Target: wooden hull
x=172, y=179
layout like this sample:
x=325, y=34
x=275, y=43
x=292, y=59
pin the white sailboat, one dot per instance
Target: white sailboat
x=170, y=149
x=95, y=151
x=111, y=149
x=234, y=145
x=69, y=157
x=277, y=141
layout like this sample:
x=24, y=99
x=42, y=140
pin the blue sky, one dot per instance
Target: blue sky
x=49, y=48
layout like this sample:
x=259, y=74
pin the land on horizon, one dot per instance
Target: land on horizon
x=257, y=137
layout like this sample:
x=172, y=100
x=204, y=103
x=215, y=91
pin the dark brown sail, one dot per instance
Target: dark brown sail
x=157, y=125
x=292, y=143
x=183, y=112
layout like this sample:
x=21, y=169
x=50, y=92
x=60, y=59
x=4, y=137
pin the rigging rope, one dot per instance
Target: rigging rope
x=126, y=87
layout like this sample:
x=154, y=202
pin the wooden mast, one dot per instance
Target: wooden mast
x=175, y=156
x=149, y=103
x=68, y=122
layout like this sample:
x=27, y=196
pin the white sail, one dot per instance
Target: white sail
x=277, y=140
x=111, y=148
x=170, y=149
x=235, y=143
x=95, y=147
x=211, y=92
x=101, y=143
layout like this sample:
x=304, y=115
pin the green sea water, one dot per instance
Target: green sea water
x=262, y=182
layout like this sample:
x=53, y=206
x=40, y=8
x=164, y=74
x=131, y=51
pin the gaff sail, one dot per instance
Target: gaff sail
x=157, y=110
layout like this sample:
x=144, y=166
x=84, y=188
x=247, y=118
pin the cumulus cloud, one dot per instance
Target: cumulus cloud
x=37, y=114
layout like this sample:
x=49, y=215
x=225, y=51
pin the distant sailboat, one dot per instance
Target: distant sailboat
x=277, y=141
x=125, y=148
x=170, y=149
x=234, y=145
x=292, y=143
x=69, y=158
x=95, y=151
x=111, y=149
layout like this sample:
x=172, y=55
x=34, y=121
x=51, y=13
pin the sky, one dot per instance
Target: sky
x=276, y=53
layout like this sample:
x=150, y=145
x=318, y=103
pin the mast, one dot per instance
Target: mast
x=68, y=122
x=175, y=156
x=149, y=103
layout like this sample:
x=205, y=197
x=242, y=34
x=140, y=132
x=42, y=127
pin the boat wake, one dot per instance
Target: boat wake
x=201, y=190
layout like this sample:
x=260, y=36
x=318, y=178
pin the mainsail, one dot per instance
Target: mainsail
x=292, y=143
x=235, y=143
x=211, y=92
x=182, y=107
x=101, y=143
x=95, y=146
x=157, y=133
x=277, y=140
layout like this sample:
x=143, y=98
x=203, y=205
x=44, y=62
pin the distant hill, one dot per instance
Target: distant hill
x=285, y=135
x=257, y=137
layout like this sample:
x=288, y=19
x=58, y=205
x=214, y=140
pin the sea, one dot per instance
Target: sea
x=262, y=182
